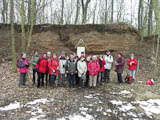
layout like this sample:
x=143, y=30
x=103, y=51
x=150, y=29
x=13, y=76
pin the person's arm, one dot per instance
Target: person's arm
x=67, y=66
x=128, y=62
x=20, y=64
x=121, y=63
x=135, y=62
x=85, y=67
x=98, y=67
x=103, y=62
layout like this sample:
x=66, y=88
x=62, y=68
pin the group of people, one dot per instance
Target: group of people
x=82, y=71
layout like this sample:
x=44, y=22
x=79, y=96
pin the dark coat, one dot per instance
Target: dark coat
x=120, y=66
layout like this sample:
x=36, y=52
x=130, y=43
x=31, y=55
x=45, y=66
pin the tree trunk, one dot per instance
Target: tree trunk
x=150, y=18
x=84, y=10
x=22, y=25
x=140, y=14
x=32, y=24
x=112, y=12
x=77, y=12
x=29, y=11
x=3, y=11
x=12, y=35
x=106, y=12
x=157, y=17
x=62, y=12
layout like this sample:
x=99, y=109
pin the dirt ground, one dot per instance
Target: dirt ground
x=111, y=101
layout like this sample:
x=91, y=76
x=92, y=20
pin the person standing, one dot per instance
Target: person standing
x=87, y=74
x=23, y=66
x=109, y=60
x=35, y=59
x=119, y=67
x=101, y=71
x=82, y=69
x=71, y=71
x=93, y=68
x=42, y=66
x=49, y=55
x=53, y=66
x=132, y=65
x=62, y=69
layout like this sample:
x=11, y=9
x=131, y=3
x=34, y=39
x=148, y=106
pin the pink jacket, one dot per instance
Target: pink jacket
x=93, y=68
x=24, y=69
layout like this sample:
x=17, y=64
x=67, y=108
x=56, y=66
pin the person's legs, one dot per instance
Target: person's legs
x=119, y=77
x=98, y=77
x=94, y=81
x=102, y=74
x=69, y=80
x=81, y=82
x=87, y=80
x=133, y=73
x=90, y=81
x=72, y=80
x=107, y=75
x=39, y=80
x=46, y=78
x=42, y=77
x=34, y=76
x=59, y=79
x=52, y=80
x=24, y=78
x=21, y=79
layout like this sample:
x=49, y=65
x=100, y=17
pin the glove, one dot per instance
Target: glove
x=27, y=66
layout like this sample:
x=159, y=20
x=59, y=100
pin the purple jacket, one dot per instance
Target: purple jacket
x=22, y=65
x=120, y=66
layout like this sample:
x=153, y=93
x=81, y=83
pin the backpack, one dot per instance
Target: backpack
x=17, y=64
x=129, y=79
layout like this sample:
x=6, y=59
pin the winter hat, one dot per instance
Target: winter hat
x=108, y=50
x=63, y=52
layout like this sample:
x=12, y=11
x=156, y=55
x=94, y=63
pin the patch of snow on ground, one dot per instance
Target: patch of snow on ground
x=11, y=106
x=43, y=100
x=150, y=107
x=126, y=107
x=78, y=117
x=89, y=96
x=124, y=92
x=83, y=109
x=123, y=106
x=38, y=117
x=114, y=102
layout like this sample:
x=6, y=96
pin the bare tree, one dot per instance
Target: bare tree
x=32, y=23
x=84, y=10
x=12, y=35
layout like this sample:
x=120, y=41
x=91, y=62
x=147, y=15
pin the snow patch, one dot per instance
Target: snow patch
x=123, y=106
x=89, y=96
x=37, y=101
x=11, y=106
x=150, y=107
x=124, y=93
x=78, y=117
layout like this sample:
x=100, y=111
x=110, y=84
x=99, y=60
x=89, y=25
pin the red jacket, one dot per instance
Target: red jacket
x=134, y=64
x=42, y=65
x=101, y=67
x=93, y=68
x=53, y=65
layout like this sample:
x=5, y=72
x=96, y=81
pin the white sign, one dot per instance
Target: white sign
x=80, y=50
